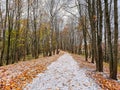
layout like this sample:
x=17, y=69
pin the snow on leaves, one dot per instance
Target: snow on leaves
x=16, y=76
x=101, y=78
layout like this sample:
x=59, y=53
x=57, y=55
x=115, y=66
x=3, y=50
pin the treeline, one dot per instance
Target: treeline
x=96, y=34
x=29, y=28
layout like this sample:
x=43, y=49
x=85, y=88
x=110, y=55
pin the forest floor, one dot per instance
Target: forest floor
x=16, y=76
x=63, y=74
x=101, y=78
x=58, y=72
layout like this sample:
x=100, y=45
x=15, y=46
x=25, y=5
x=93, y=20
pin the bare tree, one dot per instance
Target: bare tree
x=113, y=74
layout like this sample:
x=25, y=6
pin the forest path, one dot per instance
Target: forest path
x=63, y=74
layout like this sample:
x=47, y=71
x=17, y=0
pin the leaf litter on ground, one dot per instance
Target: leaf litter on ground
x=16, y=76
x=102, y=78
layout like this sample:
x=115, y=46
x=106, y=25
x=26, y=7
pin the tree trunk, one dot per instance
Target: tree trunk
x=110, y=51
x=114, y=75
x=99, y=36
x=90, y=8
x=85, y=40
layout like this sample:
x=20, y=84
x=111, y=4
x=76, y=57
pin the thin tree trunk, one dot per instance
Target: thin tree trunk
x=100, y=55
x=110, y=51
x=114, y=76
x=85, y=40
x=92, y=29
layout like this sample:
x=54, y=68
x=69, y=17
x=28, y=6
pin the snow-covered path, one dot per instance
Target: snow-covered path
x=63, y=74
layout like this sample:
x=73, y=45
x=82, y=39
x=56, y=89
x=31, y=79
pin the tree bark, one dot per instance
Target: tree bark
x=110, y=51
x=114, y=75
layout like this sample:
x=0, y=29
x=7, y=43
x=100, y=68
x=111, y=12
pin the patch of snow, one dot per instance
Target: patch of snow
x=63, y=74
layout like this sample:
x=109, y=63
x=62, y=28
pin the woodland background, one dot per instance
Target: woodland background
x=30, y=28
